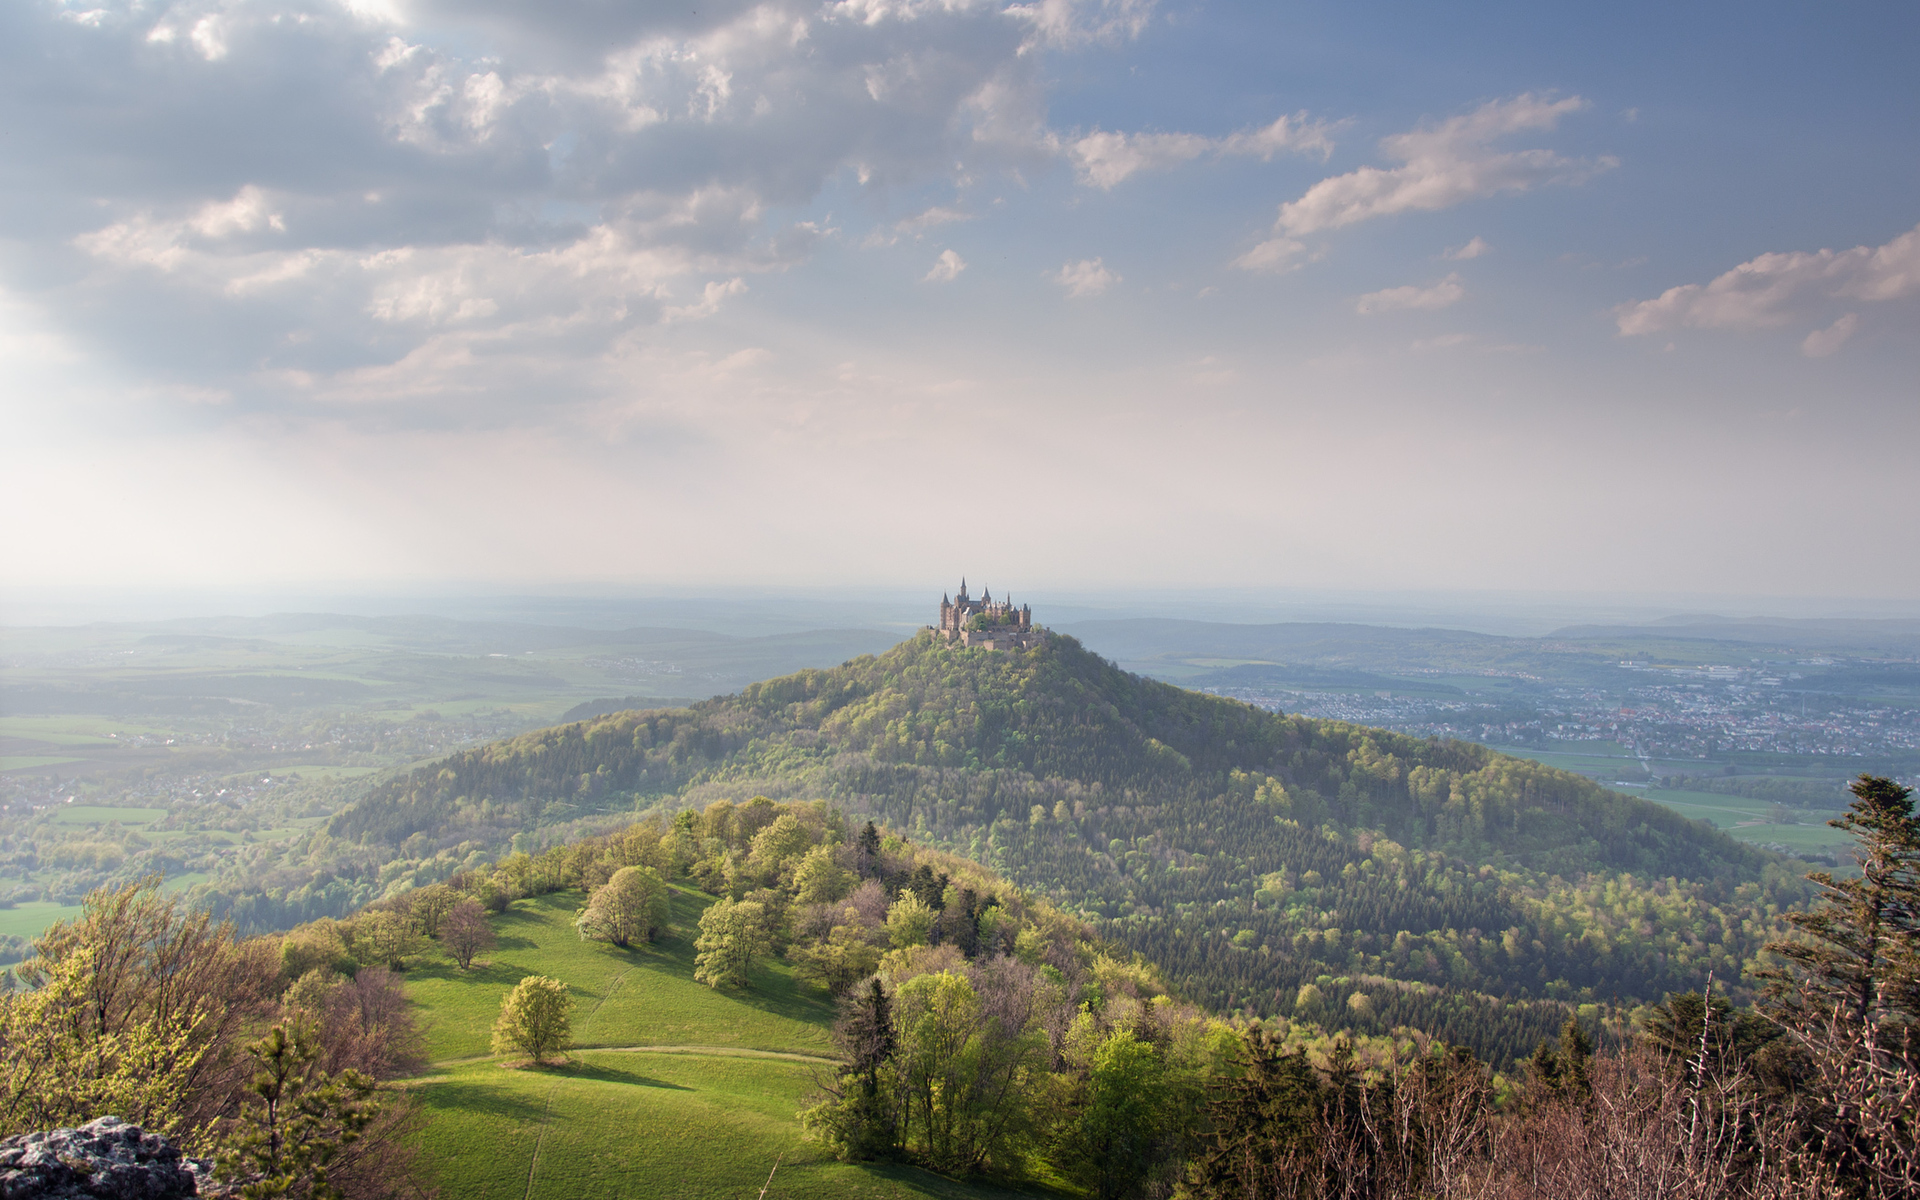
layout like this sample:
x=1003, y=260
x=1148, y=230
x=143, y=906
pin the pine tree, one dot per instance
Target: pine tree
x=1857, y=960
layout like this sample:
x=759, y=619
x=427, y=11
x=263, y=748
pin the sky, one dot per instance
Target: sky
x=1069, y=294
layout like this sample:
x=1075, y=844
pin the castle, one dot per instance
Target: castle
x=985, y=623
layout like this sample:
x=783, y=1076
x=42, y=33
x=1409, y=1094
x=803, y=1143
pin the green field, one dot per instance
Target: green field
x=101, y=814
x=673, y=1089
x=31, y=919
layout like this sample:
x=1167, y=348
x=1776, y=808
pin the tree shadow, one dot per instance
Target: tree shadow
x=606, y=1073
x=482, y=1098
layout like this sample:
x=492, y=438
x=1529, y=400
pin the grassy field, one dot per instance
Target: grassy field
x=674, y=1090
x=31, y=919
x=1741, y=817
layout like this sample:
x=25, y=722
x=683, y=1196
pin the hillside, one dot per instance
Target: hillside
x=1270, y=864
x=712, y=1078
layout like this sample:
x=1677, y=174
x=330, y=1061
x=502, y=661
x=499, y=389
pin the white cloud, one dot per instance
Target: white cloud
x=1088, y=277
x=1103, y=159
x=1274, y=254
x=1444, y=165
x=946, y=268
x=1769, y=291
x=1473, y=249
x=1448, y=291
x=484, y=183
x=1822, y=342
x=1069, y=23
x=916, y=225
x=709, y=302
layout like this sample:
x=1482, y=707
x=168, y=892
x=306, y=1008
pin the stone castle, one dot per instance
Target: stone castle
x=985, y=623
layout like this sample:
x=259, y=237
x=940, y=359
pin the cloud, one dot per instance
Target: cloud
x=1447, y=292
x=946, y=268
x=1771, y=290
x=1274, y=254
x=1069, y=23
x=915, y=225
x=1444, y=165
x=1088, y=277
x=1473, y=249
x=709, y=302
x=1103, y=159
x=1822, y=342
x=302, y=190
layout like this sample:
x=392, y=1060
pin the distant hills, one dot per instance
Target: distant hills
x=1269, y=863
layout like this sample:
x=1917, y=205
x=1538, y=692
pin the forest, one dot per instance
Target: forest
x=1267, y=862
x=983, y=1034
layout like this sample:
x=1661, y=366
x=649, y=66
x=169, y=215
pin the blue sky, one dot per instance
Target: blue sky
x=1071, y=293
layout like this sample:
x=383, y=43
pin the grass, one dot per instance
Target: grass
x=28, y=762
x=1750, y=820
x=31, y=919
x=673, y=1089
x=100, y=814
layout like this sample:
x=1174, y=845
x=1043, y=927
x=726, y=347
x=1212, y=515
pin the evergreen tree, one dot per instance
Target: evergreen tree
x=1857, y=960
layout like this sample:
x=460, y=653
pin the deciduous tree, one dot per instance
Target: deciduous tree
x=632, y=906
x=465, y=932
x=536, y=1019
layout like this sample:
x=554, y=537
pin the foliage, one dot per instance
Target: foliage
x=58, y=1068
x=1248, y=853
x=630, y=907
x=305, y=1120
x=732, y=936
x=536, y=1019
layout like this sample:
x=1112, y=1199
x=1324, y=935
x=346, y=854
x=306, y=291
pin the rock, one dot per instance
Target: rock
x=106, y=1159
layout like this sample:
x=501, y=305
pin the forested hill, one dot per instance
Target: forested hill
x=1269, y=863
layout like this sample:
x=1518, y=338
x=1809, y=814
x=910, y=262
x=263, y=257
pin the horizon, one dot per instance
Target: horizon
x=758, y=611
x=346, y=295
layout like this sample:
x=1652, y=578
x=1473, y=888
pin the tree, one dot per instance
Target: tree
x=839, y=962
x=783, y=840
x=819, y=879
x=431, y=905
x=383, y=938
x=966, y=1073
x=142, y=979
x=536, y=1018
x=464, y=932
x=856, y=1117
x=305, y=1120
x=57, y=1069
x=632, y=906
x=732, y=935
x=1119, y=1134
x=1848, y=999
x=1262, y=1122
x=909, y=921
x=1857, y=960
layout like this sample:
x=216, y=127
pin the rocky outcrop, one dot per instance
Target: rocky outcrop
x=106, y=1159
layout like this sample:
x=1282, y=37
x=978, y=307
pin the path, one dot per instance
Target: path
x=662, y=1048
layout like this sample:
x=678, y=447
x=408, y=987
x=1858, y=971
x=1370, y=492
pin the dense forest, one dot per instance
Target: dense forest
x=1273, y=865
x=982, y=1032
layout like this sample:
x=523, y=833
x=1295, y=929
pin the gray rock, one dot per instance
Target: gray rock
x=106, y=1159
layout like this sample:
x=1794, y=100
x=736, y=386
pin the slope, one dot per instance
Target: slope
x=1270, y=864
x=674, y=1089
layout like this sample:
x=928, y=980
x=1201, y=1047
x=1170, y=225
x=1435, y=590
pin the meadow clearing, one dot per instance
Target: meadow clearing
x=672, y=1089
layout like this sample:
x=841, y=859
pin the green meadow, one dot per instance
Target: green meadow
x=672, y=1090
x=30, y=920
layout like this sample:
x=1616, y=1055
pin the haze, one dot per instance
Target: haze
x=1076, y=293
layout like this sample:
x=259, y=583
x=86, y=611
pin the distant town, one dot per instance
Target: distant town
x=1657, y=712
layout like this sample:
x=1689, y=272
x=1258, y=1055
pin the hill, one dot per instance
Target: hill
x=669, y=1081
x=1270, y=864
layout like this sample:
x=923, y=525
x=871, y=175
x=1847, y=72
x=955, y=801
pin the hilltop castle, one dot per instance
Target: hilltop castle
x=985, y=623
